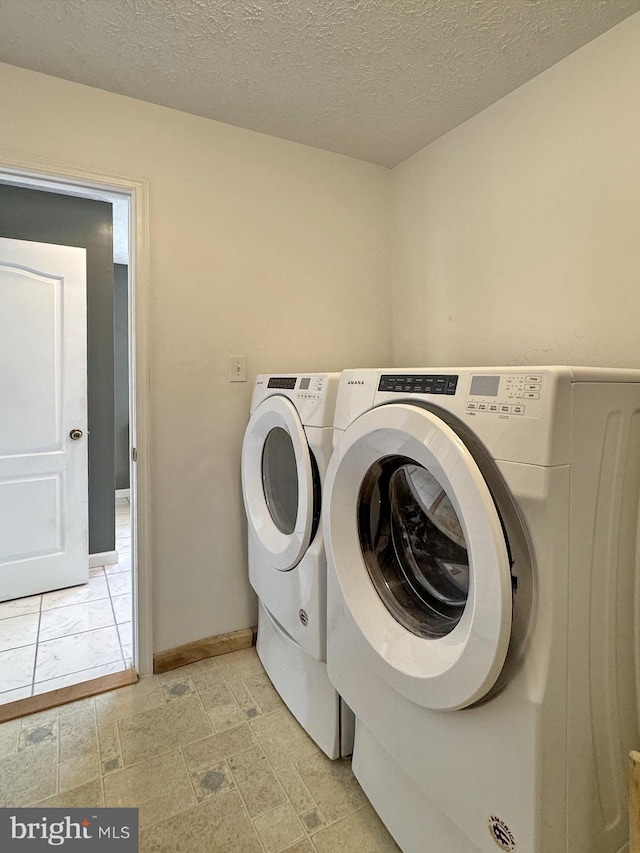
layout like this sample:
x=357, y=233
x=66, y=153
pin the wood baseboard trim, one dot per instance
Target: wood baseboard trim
x=206, y=648
x=64, y=695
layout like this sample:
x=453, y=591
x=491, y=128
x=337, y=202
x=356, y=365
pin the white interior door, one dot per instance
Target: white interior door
x=43, y=400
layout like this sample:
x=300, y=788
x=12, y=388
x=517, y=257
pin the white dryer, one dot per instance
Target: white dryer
x=285, y=453
x=481, y=530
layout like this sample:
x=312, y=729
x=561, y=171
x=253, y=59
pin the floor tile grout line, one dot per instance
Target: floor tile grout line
x=295, y=768
x=102, y=791
x=269, y=763
x=338, y=819
x=188, y=772
x=77, y=633
x=312, y=798
x=181, y=747
x=204, y=766
x=77, y=672
x=78, y=603
x=117, y=737
x=204, y=710
x=35, y=657
x=22, y=646
x=57, y=754
x=97, y=740
x=113, y=611
x=245, y=807
x=162, y=820
x=18, y=615
x=297, y=816
x=292, y=764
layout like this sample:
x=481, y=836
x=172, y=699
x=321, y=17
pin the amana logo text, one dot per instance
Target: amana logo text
x=355, y=382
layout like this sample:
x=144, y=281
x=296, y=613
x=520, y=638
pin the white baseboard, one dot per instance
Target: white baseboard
x=123, y=493
x=103, y=558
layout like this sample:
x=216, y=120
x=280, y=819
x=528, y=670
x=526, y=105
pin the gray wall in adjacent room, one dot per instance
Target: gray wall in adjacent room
x=69, y=221
x=121, y=372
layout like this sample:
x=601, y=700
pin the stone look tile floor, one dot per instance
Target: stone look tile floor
x=70, y=635
x=208, y=753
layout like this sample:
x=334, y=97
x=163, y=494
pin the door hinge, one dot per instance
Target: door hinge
x=134, y=454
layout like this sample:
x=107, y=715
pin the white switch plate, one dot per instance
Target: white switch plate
x=237, y=368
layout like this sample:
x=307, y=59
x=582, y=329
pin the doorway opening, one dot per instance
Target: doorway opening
x=118, y=580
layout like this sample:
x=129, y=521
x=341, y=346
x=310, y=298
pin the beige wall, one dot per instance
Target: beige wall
x=258, y=246
x=517, y=235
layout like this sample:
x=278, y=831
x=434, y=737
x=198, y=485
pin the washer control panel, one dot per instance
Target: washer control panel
x=414, y=383
x=517, y=394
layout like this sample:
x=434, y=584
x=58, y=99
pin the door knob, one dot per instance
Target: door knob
x=76, y=434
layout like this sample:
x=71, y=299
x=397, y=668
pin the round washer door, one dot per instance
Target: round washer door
x=420, y=556
x=277, y=482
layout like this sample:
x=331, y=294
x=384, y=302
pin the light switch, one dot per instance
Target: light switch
x=237, y=368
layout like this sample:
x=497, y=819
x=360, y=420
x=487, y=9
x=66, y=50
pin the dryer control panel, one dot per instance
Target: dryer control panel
x=308, y=387
x=311, y=387
x=518, y=394
x=312, y=394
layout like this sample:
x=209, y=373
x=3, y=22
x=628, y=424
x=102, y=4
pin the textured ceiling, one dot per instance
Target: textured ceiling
x=374, y=79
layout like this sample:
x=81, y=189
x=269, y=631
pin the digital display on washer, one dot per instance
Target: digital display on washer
x=485, y=386
x=419, y=384
x=288, y=382
x=304, y=383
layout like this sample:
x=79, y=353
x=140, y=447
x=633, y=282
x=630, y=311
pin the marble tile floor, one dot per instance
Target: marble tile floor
x=208, y=753
x=71, y=635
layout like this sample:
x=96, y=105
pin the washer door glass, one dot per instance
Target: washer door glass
x=413, y=546
x=280, y=479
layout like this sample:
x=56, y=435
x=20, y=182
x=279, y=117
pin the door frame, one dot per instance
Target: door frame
x=21, y=168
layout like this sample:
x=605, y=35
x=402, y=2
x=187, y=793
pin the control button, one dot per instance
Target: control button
x=505, y=409
x=531, y=395
x=471, y=407
x=534, y=378
x=493, y=407
x=482, y=407
x=518, y=410
x=532, y=386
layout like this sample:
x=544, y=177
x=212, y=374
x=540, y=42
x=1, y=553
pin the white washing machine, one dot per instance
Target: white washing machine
x=481, y=529
x=285, y=453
